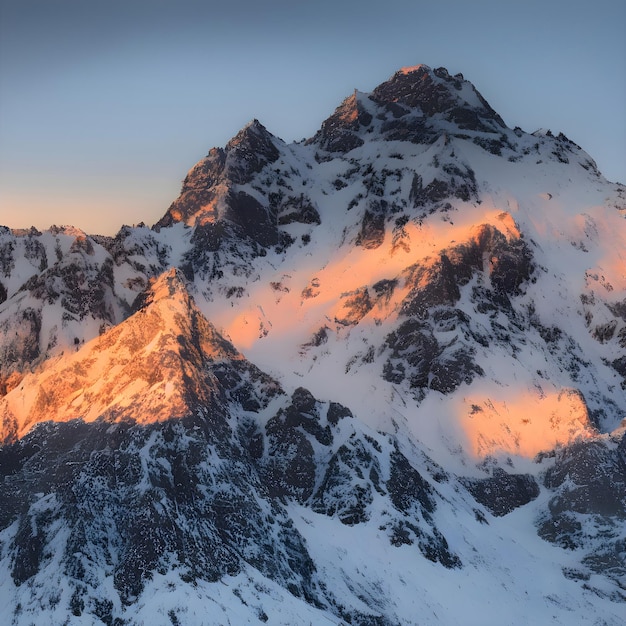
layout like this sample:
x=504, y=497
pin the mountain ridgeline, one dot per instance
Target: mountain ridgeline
x=339, y=381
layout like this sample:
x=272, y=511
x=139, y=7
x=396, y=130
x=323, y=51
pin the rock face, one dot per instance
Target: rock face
x=211, y=191
x=336, y=377
x=587, y=512
x=165, y=361
x=503, y=492
x=437, y=93
x=194, y=480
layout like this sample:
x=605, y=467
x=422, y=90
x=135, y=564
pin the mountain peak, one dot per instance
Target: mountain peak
x=450, y=292
x=249, y=151
x=154, y=366
x=253, y=128
x=414, y=68
x=170, y=284
x=206, y=193
x=435, y=91
x=417, y=104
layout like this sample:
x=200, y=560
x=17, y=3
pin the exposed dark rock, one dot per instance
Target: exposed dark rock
x=7, y=260
x=290, y=467
x=502, y=492
x=453, y=368
x=509, y=261
x=494, y=146
x=407, y=489
x=205, y=241
x=413, y=496
x=372, y=232
x=588, y=509
x=346, y=490
x=434, y=192
x=430, y=286
x=619, y=365
x=605, y=332
x=319, y=338
x=419, y=88
x=312, y=290
x=410, y=128
x=337, y=412
x=30, y=543
x=339, y=133
x=297, y=209
x=511, y=266
x=356, y=305
x=305, y=412
x=413, y=350
x=459, y=183
x=593, y=478
x=255, y=220
x=384, y=289
x=618, y=309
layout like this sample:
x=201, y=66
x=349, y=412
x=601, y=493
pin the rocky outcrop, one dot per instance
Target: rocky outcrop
x=339, y=133
x=502, y=492
x=587, y=512
x=150, y=452
x=211, y=191
x=163, y=362
x=436, y=92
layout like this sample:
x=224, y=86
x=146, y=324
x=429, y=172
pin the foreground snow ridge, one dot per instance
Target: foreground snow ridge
x=376, y=377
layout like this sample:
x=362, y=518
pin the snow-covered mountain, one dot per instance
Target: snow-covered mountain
x=374, y=377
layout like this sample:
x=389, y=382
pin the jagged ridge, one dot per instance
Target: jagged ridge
x=455, y=282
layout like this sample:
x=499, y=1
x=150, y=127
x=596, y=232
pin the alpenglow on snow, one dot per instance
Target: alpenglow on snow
x=374, y=377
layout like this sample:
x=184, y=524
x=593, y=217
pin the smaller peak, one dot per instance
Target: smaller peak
x=169, y=283
x=256, y=137
x=339, y=133
x=413, y=68
x=249, y=151
x=162, y=288
x=253, y=130
x=254, y=124
x=71, y=231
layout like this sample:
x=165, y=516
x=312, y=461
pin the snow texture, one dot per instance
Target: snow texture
x=374, y=377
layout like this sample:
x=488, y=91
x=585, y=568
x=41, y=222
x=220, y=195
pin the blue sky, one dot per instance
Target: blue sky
x=104, y=106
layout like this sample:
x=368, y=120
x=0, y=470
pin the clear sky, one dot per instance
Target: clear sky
x=104, y=106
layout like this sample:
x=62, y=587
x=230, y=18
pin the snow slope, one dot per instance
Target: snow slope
x=374, y=377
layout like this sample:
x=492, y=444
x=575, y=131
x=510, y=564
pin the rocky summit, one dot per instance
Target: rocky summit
x=375, y=377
